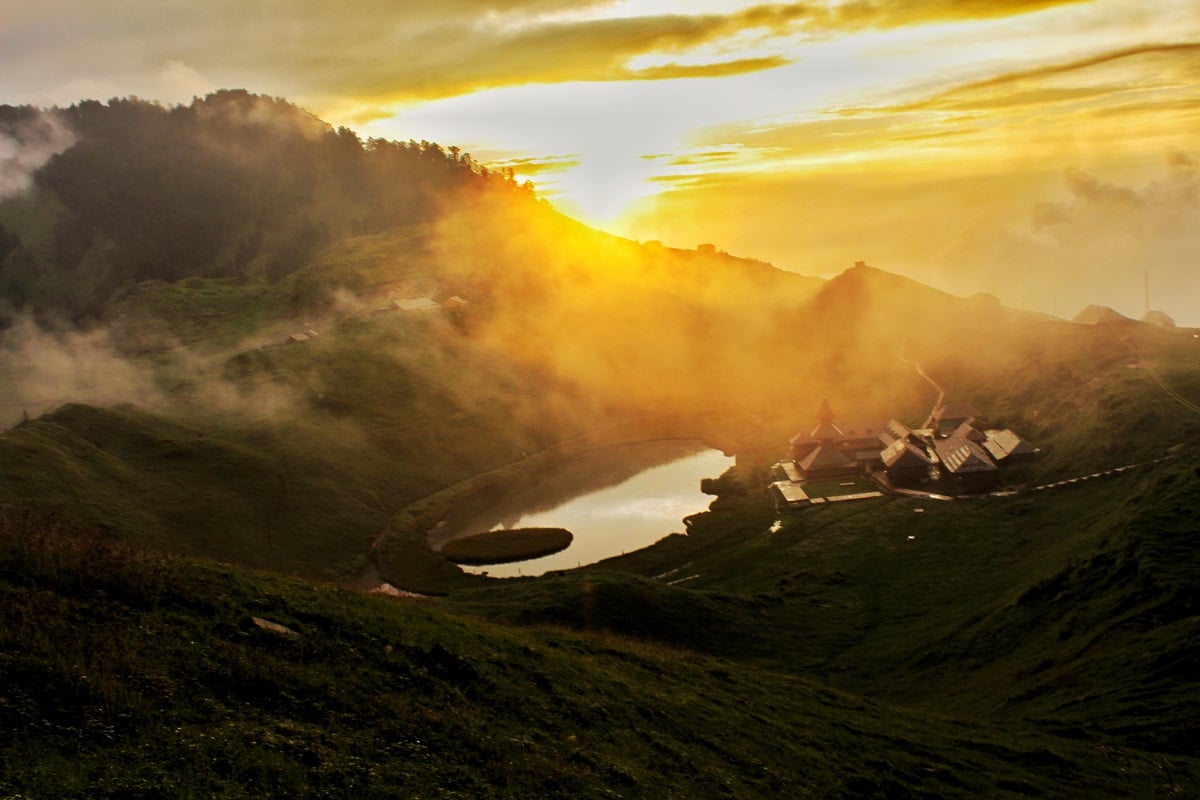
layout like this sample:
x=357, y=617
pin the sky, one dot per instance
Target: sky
x=1045, y=151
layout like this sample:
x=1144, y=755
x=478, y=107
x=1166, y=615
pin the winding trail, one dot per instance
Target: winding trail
x=1149, y=370
x=941, y=392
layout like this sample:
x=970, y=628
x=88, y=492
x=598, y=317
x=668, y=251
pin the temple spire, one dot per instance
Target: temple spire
x=825, y=412
x=825, y=428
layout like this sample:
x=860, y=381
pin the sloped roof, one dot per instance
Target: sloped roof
x=1002, y=444
x=801, y=445
x=826, y=431
x=893, y=430
x=825, y=412
x=962, y=456
x=1100, y=315
x=825, y=428
x=967, y=430
x=790, y=492
x=1159, y=318
x=789, y=469
x=416, y=304
x=824, y=458
x=863, y=430
x=956, y=411
x=903, y=453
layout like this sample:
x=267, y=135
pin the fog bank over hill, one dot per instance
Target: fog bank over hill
x=1046, y=241
x=1097, y=243
x=28, y=138
x=186, y=242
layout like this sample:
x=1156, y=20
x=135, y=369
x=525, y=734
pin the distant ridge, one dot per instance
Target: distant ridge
x=1159, y=318
x=1101, y=315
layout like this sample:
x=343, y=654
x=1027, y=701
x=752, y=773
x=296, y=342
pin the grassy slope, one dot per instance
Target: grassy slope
x=1072, y=611
x=289, y=458
x=366, y=424
x=294, y=458
x=1062, y=622
x=129, y=673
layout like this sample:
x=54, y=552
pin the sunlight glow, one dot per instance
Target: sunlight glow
x=913, y=120
x=624, y=142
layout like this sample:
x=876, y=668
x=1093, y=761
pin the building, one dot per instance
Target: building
x=832, y=451
x=969, y=430
x=948, y=416
x=965, y=463
x=416, y=304
x=1007, y=447
x=789, y=494
x=954, y=450
x=894, y=431
x=907, y=462
x=1158, y=318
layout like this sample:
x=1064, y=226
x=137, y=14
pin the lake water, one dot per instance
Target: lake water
x=614, y=500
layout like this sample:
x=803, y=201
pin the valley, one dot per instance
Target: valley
x=212, y=453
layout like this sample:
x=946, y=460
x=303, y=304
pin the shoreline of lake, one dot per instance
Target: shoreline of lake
x=629, y=516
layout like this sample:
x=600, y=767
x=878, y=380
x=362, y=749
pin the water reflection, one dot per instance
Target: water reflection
x=613, y=500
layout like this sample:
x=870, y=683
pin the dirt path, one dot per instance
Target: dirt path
x=941, y=392
x=1149, y=370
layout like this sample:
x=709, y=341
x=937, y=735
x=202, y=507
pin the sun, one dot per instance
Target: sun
x=601, y=190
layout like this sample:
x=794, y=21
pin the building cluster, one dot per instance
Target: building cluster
x=955, y=450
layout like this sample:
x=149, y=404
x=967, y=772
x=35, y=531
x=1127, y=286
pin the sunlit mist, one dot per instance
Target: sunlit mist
x=925, y=136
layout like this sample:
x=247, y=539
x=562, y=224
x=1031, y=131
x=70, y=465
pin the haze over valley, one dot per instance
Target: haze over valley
x=291, y=376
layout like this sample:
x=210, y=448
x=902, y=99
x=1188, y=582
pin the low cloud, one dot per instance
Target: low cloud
x=41, y=370
x=28, y=139
x=1098, y=244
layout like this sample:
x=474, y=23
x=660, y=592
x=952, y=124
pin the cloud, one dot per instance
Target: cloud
x=1096, y=245
x=1115, y=105
x=531, y=167
x=1183, y=53
x=902, y=13
x=1177, y=159
x=28, y=139
x=177, y=82
x=41, y=370
x=461, y=56
x=44, y=368
x=380, y=53
x=714, y=70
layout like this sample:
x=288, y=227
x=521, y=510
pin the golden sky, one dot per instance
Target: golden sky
x=1047, y=151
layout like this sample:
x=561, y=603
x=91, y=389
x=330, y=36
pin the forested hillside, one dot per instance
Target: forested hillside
x=234, y=184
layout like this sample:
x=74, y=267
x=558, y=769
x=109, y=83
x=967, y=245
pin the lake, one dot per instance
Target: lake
x=613, y=499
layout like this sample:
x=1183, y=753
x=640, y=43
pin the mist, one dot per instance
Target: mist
x=28, y=139
x=1096, y=245
x=41, y=370
x=696, y=336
